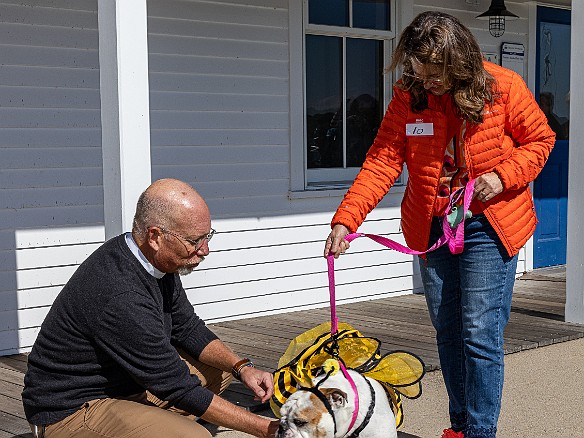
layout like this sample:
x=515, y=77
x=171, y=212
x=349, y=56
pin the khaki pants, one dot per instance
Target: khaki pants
x=141, y=416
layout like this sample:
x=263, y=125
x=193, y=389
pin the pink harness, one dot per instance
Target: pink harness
x=453, y=236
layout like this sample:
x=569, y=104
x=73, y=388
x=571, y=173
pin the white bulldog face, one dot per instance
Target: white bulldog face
x=305, y=416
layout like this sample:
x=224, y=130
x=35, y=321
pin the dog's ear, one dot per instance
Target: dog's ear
x=335, y=397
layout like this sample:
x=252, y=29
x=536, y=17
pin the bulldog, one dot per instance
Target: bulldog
x=326, y=411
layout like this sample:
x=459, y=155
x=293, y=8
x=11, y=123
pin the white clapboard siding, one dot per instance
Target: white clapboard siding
x=13, y=339
x=274, y=264
x=25, y=318
x=272, y=255
x=375, y=289
x=285, y=273
x=294, y=280
x=29, y=298
x=35, y=253
x=26, y=279
x=51, y=195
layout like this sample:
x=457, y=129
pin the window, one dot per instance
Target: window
x=347, y=44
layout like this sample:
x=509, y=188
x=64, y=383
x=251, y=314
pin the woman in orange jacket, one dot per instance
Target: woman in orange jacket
x=455, y=117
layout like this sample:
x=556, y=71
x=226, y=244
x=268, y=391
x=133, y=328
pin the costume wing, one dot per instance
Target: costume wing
x=401, y=371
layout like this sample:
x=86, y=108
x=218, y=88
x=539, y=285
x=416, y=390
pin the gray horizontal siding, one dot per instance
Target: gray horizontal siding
x=219, y=106
x=51, y=166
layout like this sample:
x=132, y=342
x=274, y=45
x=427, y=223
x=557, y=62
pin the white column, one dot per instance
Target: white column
x=125, y=121
x=575, y=250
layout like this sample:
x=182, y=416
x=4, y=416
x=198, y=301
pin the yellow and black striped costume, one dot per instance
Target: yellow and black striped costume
x=399, y=372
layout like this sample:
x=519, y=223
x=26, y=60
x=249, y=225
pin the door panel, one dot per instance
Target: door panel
x=553, y=94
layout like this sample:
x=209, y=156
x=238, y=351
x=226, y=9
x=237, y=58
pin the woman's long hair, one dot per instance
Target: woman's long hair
x=440, y=39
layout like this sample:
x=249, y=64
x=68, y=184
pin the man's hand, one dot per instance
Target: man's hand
x=223, y=413
x=336, y=242
x=260, y=382
x=487, y=186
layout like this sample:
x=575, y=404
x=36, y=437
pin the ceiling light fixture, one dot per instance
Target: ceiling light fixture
x=496, y=15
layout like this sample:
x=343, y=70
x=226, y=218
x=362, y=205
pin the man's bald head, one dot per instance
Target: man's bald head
x=170, y=204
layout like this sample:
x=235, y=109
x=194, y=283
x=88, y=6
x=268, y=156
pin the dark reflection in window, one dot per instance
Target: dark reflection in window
x=364, y=96
x=328, y=12
x=554, y=74
x=324, y=121
x=371, y=14
x=560, y=125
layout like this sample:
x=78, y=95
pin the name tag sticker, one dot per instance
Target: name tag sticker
x=419, y=129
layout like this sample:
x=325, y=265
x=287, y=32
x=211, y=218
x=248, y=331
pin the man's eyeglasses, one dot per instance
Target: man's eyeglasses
x=434, y=82
x=195, y=244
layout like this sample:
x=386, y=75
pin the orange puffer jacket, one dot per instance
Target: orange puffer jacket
x=514, y=141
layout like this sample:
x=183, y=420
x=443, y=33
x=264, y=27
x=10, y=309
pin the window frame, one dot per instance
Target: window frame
x=324, y=179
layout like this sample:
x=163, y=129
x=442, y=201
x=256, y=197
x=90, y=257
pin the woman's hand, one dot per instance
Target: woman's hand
x=336, y=242
x=487, y=186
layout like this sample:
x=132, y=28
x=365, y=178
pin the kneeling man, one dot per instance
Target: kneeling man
x=106, y=361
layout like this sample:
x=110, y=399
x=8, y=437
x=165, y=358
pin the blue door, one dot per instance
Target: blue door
x=550, y=190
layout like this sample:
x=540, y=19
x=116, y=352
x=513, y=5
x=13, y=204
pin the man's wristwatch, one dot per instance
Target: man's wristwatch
x=236, y=370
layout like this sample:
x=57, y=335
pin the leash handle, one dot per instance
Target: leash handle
x=454, y=238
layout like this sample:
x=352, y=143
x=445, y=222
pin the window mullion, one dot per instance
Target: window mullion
x=345, y=86
x=346, y=31
x=344, y=103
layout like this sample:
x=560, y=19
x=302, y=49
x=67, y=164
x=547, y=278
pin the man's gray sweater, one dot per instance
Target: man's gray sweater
x=113, y=332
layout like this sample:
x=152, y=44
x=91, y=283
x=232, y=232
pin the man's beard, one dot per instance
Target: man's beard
x=187, y=269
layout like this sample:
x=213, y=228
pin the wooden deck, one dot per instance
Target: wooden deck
x=400, y=323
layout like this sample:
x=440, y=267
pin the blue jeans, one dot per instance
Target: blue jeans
x=469, y=300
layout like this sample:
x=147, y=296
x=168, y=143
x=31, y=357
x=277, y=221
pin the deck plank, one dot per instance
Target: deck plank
x=15, y=363
x=12, y=406
x=10, y=376
x=12, y=426
x=398, y=322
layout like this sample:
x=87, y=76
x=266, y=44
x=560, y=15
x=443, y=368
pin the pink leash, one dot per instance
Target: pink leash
x=454, y=238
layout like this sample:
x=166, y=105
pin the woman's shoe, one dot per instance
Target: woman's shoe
x=449, y=433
